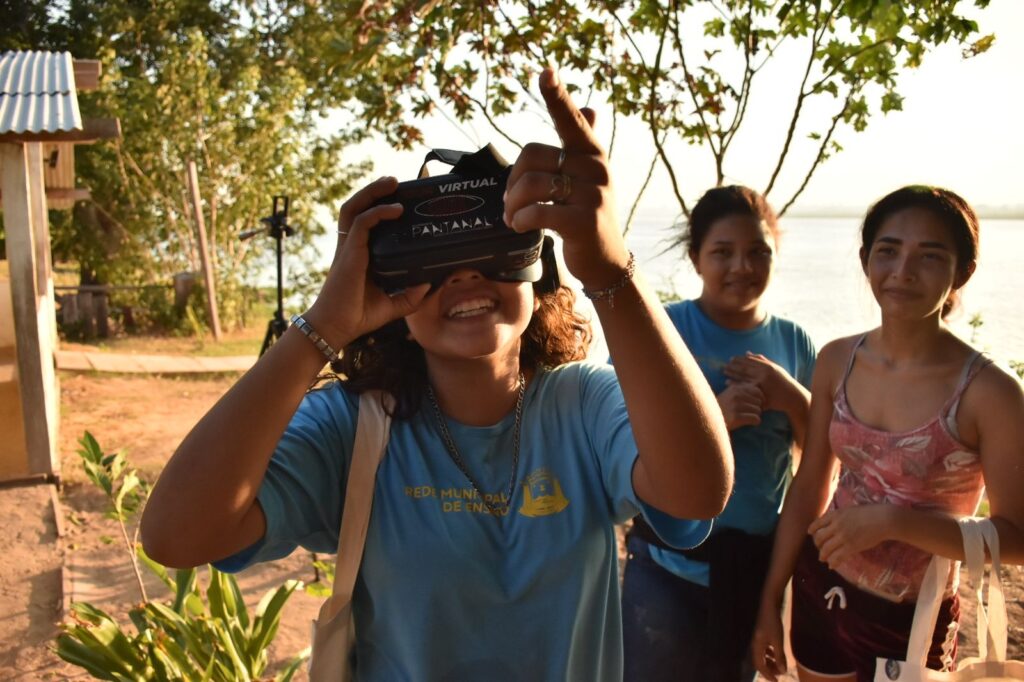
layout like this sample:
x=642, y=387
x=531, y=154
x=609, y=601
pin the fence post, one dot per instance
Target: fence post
x=204, y=253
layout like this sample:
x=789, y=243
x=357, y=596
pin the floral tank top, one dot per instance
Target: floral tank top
x=926, y=468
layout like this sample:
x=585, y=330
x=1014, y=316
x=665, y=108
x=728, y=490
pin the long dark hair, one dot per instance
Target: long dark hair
x=389, y=360
x=947, y=206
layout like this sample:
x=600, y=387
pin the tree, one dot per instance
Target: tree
x=219, y=82
x=413, y=57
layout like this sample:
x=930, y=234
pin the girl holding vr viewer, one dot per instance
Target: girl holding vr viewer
x=491, y=550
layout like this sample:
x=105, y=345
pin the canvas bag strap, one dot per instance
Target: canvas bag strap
x=992, y=623
x=926, y=613
x=372, y=431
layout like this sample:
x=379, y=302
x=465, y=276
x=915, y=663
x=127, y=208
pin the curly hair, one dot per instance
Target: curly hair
x=390, y=360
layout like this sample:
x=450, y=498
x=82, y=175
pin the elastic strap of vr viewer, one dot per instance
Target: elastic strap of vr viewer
x=486, y=161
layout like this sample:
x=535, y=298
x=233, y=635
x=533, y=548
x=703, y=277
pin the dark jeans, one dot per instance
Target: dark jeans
x=665, y=624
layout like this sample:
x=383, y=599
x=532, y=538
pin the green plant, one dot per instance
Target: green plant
x=975, y=323
x=1018, y=367
x=193, y=636
x=323, y=587
x=124, y=490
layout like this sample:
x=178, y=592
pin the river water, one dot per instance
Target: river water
x=818, y=282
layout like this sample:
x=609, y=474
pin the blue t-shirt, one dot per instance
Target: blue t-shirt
x=446, y=590
x=762, y=452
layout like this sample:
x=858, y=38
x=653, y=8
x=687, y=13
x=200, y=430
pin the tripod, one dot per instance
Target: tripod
x=276, y=224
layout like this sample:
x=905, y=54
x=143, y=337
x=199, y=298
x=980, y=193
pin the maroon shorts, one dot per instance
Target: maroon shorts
x=840, y=641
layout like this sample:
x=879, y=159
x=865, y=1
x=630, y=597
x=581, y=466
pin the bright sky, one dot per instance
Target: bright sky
x=961, y=127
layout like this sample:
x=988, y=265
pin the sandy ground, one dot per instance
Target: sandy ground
x=148, y=416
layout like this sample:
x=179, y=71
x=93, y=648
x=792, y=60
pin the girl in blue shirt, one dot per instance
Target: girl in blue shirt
x=490, y=552
x=689, y=616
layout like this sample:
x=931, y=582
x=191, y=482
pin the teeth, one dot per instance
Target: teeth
x=473, y=306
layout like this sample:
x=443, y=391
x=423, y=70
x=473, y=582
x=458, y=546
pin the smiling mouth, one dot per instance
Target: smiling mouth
x=471, y=308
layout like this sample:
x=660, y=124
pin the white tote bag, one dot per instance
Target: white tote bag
x=991, y=664
x=333, y=634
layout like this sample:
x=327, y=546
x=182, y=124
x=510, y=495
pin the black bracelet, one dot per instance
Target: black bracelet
x=608, y=293
x=318, y=341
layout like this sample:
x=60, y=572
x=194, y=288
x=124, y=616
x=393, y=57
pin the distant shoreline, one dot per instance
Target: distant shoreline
x=984, y=212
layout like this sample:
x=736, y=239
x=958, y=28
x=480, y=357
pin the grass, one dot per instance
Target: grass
x=244, y=341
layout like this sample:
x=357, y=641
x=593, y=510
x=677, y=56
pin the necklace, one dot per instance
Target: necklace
x=453, y=452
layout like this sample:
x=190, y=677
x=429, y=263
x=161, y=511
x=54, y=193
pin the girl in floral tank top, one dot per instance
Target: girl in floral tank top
x=915, y=424
x=923, y=468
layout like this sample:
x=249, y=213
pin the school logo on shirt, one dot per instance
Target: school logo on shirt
x=542, y=494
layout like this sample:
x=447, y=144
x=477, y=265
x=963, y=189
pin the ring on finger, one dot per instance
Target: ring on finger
x=561, y=188
x=561, y=160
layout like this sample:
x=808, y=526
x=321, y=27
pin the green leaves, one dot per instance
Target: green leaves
x=217, y=643
x=477, y=59
x=237, y=87
x=190, y=636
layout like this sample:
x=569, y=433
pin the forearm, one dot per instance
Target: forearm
x=797, y=408
x=805, y=501
x=685, y=467
x=203, y=505
x=938, y=533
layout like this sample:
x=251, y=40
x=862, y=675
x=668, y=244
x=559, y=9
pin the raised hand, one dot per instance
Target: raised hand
x=570, y=191
x=741, y=404
x=349, y=304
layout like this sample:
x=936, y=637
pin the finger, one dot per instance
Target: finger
x=747, y=419
x=570, y=123
x=536, y=187
x=736, y=371
x=407, y=301
x=778, y=659
x=542, y=159
x=820, y=522
x=590, y=115
x=359, y=232
x=363, y=199
x=563, y=218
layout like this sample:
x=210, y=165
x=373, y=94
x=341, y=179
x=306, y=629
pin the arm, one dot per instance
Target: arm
x=684, y=466
x=806, y=500
x=203, y=506
x=995, y=403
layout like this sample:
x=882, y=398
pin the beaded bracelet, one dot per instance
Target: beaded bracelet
x=318, y=341
x=608, y=293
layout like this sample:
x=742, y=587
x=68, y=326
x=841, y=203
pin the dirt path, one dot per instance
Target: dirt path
x=148, y=416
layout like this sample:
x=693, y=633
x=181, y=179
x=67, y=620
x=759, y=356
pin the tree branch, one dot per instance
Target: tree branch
x=816, y=38
x=748, y=77
x=688, y=78
x=821, y=153
x=653, y=122
x=640, y=194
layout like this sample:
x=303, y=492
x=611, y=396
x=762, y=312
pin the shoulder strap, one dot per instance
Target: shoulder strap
x=975, y=363
x=372, y=431
x=841, y=386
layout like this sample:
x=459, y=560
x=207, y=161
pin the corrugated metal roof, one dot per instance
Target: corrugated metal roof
x=37, y=93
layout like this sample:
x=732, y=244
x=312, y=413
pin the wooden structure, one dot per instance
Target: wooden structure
x=40, y=124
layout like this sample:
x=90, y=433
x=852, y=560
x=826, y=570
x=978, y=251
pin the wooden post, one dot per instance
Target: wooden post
x=36, y=376
x=204, y=253
x=41, y=235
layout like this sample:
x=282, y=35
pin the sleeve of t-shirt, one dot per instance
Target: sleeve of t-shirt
x=611, y=436
x=806, y=356
x=302, y=492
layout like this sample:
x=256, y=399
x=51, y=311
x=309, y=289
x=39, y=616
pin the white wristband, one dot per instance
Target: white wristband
x=318, y=341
